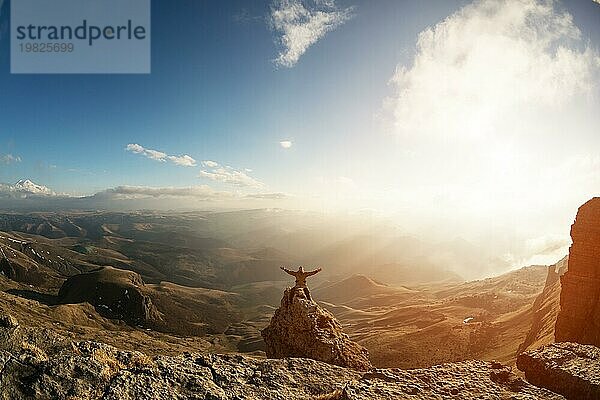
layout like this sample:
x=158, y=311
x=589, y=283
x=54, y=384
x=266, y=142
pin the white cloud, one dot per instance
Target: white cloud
x=286, y=144
x=301, y=23
x=268, y=196
x=210, y=164
x=542, y=250
x=135, y=148
x=183, y=160
x=9, y=158
x=149, y=153
x=159, y=197
x=201, y=192
x=198, y=193
x=497, y=93
x=230, y=176
x=498, y=110
x=549, y=244
x=489, y=62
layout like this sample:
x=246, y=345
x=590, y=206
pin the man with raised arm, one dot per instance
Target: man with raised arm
x=301, y=276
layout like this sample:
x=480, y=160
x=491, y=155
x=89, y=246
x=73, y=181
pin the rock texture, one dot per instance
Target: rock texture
x=39, y=364
x=579, y=317
x=114, y=292
x=463, y=380
x=301, y=328
x=570, y=369
x=545, y=310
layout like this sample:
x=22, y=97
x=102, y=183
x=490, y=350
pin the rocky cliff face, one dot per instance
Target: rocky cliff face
x=570, y=369
x=579, y=317
x=545, y=309
x=301, y=328
x=39, y=364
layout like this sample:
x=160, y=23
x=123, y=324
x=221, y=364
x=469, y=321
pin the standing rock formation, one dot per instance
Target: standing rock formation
x=301, y=328
x=579, y=317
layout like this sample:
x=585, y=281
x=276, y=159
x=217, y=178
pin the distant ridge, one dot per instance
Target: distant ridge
x=354, y=287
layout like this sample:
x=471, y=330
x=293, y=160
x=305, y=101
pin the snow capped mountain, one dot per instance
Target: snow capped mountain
x=27, y=186
x=24, y=188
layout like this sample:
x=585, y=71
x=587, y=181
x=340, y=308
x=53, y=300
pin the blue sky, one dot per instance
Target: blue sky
x=443, y=113
x=214, y=93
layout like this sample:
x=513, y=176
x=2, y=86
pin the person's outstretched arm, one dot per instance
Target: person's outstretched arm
x=311, y=273
x=288, y=271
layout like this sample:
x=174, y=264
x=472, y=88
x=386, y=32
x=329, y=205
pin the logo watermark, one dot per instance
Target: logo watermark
x=80, y=36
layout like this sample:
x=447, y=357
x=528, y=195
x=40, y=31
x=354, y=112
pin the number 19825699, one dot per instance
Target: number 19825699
x=47, y=47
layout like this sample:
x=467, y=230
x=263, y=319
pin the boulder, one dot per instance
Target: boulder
x=7, y=321
x=570, y=369
x=302, y=328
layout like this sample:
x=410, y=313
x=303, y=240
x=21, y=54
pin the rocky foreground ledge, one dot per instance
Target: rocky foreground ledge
x=39, y=364
x=568, y=368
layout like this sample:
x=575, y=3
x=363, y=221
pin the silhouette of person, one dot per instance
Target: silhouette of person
x=301, y=276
